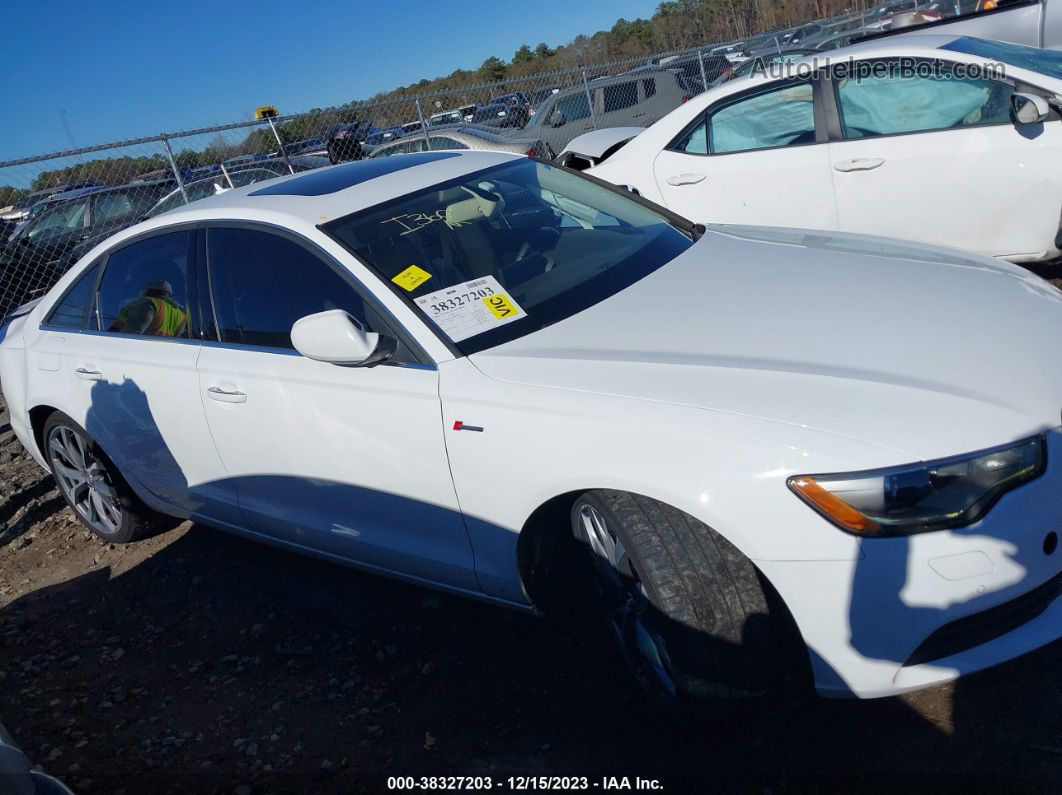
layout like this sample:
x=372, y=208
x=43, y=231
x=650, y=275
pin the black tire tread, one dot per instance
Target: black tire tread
x=700, y=581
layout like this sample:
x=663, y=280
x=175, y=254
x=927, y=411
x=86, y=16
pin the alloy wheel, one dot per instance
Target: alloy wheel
x=84, y=480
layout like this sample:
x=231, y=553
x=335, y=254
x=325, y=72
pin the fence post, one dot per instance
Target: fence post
x=173, y=165
x=423, y=126
x=589, y=100
x=704, y=77
x=280, y=143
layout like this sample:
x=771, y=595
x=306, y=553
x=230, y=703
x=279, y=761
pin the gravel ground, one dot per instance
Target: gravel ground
x=199, y=662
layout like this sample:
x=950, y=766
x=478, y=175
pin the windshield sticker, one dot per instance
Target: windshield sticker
x=411, y=278
x=468, y=309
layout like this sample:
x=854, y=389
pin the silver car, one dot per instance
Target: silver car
x=467, y=136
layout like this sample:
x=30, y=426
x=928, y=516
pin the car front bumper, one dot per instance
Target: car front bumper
x=921, y=610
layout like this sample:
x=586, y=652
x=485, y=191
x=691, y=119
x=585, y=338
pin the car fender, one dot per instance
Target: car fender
x=725, y=469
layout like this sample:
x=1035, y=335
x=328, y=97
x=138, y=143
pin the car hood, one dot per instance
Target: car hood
x=927, y=352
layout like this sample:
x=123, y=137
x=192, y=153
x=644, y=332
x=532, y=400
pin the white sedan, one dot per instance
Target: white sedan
x=954, y=142
x=451, y=367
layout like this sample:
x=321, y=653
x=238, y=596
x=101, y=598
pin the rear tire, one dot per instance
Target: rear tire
x=685, y=606
x=92, y=486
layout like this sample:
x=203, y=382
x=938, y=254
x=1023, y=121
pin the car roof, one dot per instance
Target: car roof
x=314, y=197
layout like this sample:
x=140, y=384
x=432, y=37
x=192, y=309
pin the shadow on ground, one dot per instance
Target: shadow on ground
x=217, y=662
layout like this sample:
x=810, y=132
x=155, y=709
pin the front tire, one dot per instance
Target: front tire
x=92, y=485
x=685, y=606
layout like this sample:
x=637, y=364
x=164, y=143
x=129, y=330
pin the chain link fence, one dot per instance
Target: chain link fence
x=55, y=207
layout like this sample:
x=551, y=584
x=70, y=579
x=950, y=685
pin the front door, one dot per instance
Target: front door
x=342, y=460
x=937, y=159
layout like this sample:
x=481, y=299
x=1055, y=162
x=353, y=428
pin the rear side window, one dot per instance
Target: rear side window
x=620, y=96
x=144, y=289
x=70, y=313
x=262, y=283
x=110, y=206
x=649, y=87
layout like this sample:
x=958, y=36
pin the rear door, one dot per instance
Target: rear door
x=759, y=157
x=128, y=375
x=935, y=157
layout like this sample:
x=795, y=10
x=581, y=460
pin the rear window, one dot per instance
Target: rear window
x=620, y=96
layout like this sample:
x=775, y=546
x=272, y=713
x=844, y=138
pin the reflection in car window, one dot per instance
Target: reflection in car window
x=783, y=116
x=70, y=312
x=554, y=242
x=445, y=142
x=262, y=283
x=891, y=104
x=144, y=288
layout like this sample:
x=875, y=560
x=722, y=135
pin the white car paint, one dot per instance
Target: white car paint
x=755, y=355
x=994, y=190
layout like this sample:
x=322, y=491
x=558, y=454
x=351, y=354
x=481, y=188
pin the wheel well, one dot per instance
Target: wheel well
x=548, y=557
x=546, y=550
x=38, y=417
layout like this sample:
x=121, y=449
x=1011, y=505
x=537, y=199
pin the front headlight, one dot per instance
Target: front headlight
x=916, y=498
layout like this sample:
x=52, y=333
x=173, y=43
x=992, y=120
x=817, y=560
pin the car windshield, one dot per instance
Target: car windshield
x=503, y=252
x=1048, y=62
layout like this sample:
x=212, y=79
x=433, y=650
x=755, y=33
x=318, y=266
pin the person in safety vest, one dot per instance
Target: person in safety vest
x=154, y=313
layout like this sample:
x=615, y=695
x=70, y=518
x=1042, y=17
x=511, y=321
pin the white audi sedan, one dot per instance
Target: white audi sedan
x=496, y=377
x=944, y=140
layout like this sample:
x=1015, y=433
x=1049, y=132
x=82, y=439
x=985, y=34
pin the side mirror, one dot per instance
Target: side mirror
x=557, y=119
x=1029, y=108
x=334, y=337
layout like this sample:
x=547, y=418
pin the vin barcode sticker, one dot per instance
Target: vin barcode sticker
x=468, y=309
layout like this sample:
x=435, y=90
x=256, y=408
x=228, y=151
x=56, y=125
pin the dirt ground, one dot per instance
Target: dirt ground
x=198, y=662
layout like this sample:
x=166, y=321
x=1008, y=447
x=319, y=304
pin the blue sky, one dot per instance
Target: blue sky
x=128, y=68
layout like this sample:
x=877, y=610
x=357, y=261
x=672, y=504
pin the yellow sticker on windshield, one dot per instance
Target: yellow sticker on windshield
x=411, y=278
x=500, y=307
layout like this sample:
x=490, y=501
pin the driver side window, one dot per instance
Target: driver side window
x=262, y=283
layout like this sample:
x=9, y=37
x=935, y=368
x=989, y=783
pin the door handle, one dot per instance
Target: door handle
x=89, y=374
x=860, y=164
x=226, y=393
x=686, y=179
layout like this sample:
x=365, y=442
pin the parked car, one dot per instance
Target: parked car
x=466, y=136
x=519, y=103
x=305, y=146
x=44, y=204
x=454, y=116
x=347, y=141
x=385, y=136
x=968, y=163
x=39, y=253
x=22, y=207
x=411, y=127
x=500, y=115
x=758, y=61
x=740, y=438
x=621, y=101
x=201, y=189
x=715, y=68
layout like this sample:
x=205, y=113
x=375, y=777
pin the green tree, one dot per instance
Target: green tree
x=523, y=55
x=492, y=70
